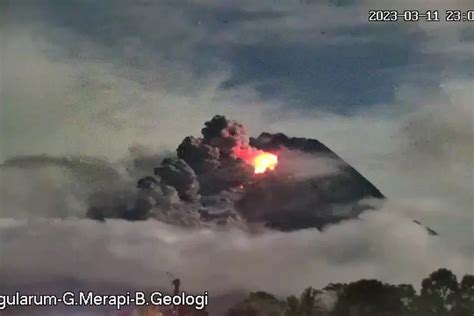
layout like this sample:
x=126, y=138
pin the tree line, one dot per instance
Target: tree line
x=441, y=295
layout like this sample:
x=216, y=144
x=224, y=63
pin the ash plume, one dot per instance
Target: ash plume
x=226, y=135
x=212, y=181
x=199, y=155
x=178, y=174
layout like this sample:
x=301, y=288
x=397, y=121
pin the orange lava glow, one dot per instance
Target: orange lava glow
x=264, y=161
x=260, y=160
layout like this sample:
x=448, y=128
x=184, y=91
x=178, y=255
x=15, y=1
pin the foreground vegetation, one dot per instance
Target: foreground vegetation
x=441, y=294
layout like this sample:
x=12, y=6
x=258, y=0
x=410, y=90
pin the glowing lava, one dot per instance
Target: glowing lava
x=259, y=159
x=264, y=161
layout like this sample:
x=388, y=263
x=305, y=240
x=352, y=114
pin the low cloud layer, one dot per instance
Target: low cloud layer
x=381, y=244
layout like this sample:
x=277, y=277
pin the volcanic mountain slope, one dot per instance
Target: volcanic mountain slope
x=310, y=198
x=227, y=178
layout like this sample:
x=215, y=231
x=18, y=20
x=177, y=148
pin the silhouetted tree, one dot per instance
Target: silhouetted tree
x=369, y=297
x=292, y=306
x=337, y=288
x=439, y=293
x=465, y=301
x=408, y=297
x=309, y=302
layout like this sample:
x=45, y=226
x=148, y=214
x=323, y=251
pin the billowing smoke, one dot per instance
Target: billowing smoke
x=232, y=141
x=215, y=180
x=203, y=166
x=226, y=135
x=215, y=157
x=199, y=155
x=178, y=174
x=212, y=181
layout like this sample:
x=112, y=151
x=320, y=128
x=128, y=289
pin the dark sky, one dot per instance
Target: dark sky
x=303, y=53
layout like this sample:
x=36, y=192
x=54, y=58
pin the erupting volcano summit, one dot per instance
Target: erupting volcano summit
x=264, y=161
x=227, y=178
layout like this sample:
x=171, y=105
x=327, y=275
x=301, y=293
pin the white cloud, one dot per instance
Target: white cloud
x=383, y=244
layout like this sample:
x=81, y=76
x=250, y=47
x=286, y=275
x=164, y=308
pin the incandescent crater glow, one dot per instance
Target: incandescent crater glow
x=264, y=161
x=260, y=160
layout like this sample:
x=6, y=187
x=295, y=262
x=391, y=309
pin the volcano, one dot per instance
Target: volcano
x=314, y=200
x=227, y=178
